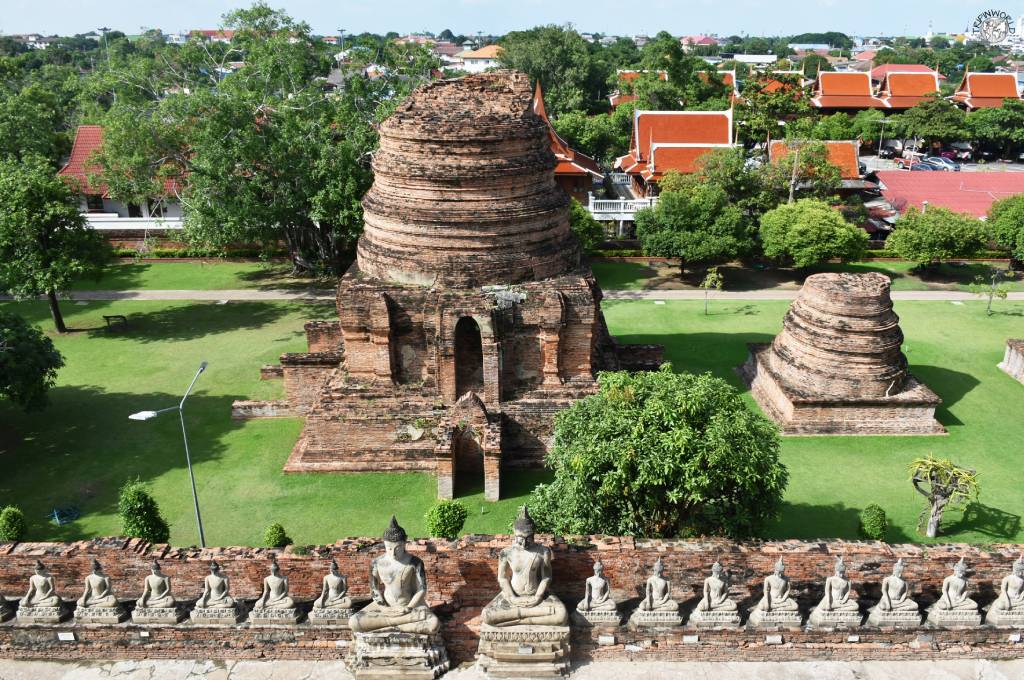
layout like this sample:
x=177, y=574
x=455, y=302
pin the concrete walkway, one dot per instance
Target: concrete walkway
x=329, y=296
x=335, y=670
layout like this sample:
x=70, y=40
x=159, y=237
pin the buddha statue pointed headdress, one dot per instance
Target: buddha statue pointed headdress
x=395, y=533
x=523, y=523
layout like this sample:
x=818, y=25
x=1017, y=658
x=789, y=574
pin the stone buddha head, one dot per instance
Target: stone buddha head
x=523, y=528
x=960, y=568
x=716, y=570
x=334, y=567
x=274, y=569
x=40, y=568
x=780, y=567
x=214, y=568
x=1018, y=566
x=97, y=568
x=155, y=568
x=598, y=568
x=897, y=568
x=840, y=567
x=659, y=567
x=394, y=540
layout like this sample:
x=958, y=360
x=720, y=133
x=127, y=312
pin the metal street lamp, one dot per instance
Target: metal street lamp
x=180, y=408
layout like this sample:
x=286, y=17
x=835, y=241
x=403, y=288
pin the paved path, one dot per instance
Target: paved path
x=328, y=295
x=335, y=670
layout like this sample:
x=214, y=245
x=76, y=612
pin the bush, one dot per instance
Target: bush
x=12, y=524
x=446, y=518
x=274, y=536
x=585, y=228
x=28, y=362
x=937, y=234
x=873, y=522
x=140, y=515
x=810, y=232
x=660, y=454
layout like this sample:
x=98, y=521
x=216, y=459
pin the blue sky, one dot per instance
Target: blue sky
x=754, y=17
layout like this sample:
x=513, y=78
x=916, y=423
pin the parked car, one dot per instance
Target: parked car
x=986, y=155
x=963, y=151
x=887, y=152
x=862, y=169
x=925, y=167
x=943, y=163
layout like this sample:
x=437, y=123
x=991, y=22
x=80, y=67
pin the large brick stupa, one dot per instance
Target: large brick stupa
x=468, y=319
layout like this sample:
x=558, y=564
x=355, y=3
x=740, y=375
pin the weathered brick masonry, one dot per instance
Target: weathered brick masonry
x=468, y=319
x=462, y=579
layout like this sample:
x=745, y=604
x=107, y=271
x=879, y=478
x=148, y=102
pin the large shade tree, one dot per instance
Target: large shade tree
x=661, y=454
x=28, y=362
x=937, y=234
x=810, y=232
x=45, y=244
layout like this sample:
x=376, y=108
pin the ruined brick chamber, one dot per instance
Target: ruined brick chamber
x=468, y=319
x=1013, y=360
x=837, y=367
x=462, y=579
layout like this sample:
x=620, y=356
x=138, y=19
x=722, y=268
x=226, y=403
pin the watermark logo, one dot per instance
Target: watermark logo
x=993, y=26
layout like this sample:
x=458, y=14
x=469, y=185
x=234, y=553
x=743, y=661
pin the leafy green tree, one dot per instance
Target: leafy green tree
x=599, y=136
x=32, y=122
x=935, y=120
x=45, y=244
x=712, y=281
x=939, y=42
x=936, y=234
x=813, y=64
x=838, y=126
x=699, y=226
x=866, y=125
x=990, y=287
x=140, y=514
x=659, y=454
x=558, y=58
x=446, y=518
x=691, y=84
x=805, y=168
x=945, y=485
x=13, y=526
x=28, y=362
x=981, y=64
x=1006, y=219
x=587, y=230
x=810, y=232
x=1001, y=127
x=765, y=105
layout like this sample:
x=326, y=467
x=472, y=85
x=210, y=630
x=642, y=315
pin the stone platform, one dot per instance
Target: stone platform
x=274, y=617
x=893, y=619
x=524, y=651
x=1013, y=360
x=775, y=620
x=821, y=619
x=100, y=614
x=646, y=619
x=714, y=619
x=330, y=618
x=41, y=615
x=157, y=615
x=953, y=618
x=385, y=656
x=202, y=616
x=1005, y=618
x=597, y=618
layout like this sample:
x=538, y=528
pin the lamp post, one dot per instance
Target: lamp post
x=180, y=408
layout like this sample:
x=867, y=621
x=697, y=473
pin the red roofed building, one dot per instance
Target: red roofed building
x=845, y=91
x=214, y=35
x=843, y=154
x=903, y=90
x=574, y=172
x=966, y=192
x=879, y=73
x=616, y=98
x=110, y=215
x=663, y=141
x=986, y=90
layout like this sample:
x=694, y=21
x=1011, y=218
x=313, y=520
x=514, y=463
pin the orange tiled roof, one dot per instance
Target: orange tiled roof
x=843, y=154
x=845, y=90
x=89, y=139
x=487, y=52
x=904, y=90
x=569, y=161
x=626, y=76
x=878, y=73
x=986, y=90
x=673, y=140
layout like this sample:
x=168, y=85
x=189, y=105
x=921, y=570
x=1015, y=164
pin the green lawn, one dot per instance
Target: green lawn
x=80, y=449
x=614, y=275
x=210, y=274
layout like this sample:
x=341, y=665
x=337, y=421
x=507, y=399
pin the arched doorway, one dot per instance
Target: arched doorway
x=469, y=462
x=469, y=357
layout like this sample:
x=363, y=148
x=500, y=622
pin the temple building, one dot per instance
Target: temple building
x=468, y=319
x=575, y=172
x=986, y=90
x=844, y=91
x=663, y=141
x=902, y=90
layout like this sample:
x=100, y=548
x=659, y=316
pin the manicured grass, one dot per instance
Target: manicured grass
x=640, y=276
x=209, y=274
x=82, y=447
x=953, y=348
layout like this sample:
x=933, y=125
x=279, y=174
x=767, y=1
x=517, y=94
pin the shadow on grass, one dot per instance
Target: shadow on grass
x=281, y=277
x=717, y=353
x=195, y=320
x=986, y=520
x=82, y=448
x=950, y=385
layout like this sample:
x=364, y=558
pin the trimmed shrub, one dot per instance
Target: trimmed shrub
x=873, y=522
x=446, y=519
x=140, y=515
x=275, y=536
x=12, y=524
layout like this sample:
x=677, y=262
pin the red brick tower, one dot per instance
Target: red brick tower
x=467, y=320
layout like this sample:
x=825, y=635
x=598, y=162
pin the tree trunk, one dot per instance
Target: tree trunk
x=58, y=318
x=934, y=517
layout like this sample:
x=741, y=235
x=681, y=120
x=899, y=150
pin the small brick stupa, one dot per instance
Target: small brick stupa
x=468, y=319
x=837, y=366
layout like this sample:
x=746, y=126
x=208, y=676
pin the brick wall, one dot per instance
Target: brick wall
x=462, y=579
